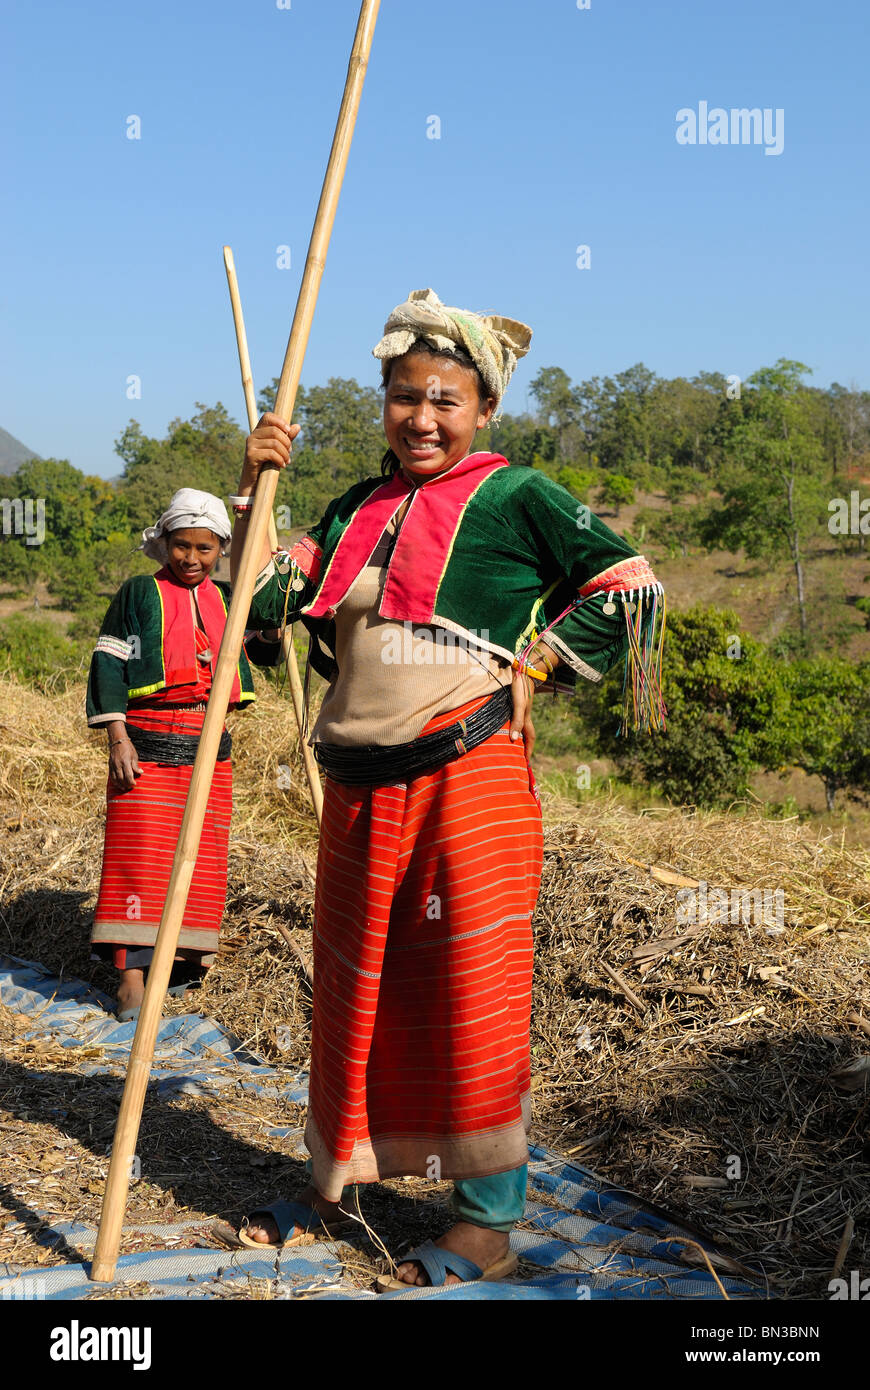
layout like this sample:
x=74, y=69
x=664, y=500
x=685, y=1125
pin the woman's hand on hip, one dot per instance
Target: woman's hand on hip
x=269, y=443
x=522, y=692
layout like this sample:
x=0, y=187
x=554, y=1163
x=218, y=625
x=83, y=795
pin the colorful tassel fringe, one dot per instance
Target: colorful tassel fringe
x=643, y=705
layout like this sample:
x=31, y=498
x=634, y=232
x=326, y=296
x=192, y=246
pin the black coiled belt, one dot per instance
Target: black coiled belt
x=374, y=764
x=174, y=750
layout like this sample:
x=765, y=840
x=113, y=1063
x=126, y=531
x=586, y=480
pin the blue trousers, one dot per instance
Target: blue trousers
x=497, y=1202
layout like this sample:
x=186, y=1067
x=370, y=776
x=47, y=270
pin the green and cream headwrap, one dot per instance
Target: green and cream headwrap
x=494, y=344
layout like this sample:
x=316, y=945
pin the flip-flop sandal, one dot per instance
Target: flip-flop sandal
x=225, y=1234
x=438, y=1263
x=286, y=1216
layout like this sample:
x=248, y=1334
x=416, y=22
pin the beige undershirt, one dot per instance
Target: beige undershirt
x=394, y=677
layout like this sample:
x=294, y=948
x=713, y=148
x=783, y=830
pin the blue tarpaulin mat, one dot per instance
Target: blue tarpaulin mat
x=582, y=1238
x=191, y=1053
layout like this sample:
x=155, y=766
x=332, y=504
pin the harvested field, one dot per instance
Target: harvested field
x=714, y=1066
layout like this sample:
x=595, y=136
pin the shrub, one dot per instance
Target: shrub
x=36, y=652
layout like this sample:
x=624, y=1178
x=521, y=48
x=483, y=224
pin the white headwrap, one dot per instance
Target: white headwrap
x=187, y=508
x=494, y=343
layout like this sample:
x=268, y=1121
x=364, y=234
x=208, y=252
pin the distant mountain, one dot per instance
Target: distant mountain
x=13, y=453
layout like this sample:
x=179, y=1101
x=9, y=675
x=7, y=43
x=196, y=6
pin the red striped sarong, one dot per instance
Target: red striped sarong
x=142, y=830
x=423, y=971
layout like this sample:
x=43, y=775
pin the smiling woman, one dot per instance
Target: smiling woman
x=192, y=553
x=432, y=405
x=149, y=685
x=432, y=594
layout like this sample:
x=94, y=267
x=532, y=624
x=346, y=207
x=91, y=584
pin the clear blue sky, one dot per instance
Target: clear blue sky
x=558, y=128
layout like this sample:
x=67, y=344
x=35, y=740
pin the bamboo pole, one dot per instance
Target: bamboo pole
x=288, y=650
x=241, y=337
x=142, y=1051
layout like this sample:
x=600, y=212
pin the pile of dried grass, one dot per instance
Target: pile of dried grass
x=53, y=768
x=701, y=1064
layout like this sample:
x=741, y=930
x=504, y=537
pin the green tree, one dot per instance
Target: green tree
x=773, y=498
x=74, y=583
x=557, y=405
x=849, y=410
x=341, y=416
x=22, y=566
x=678, y=528
x=681, y=481
x=204, y=452
x=78, y=508
x=523, y=441
x=617, y=491
x=829, y=726
x=727, y=713
x=74, y=513
x=34, y=651
x=577, y=481
x=625, y=435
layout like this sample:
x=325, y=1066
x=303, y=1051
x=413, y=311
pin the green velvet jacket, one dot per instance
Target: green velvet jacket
x=128, y=660
x=491, y=552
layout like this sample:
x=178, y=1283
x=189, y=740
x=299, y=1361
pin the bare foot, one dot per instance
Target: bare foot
x=476, y=1243
x=266, y=1232
x=131, y=990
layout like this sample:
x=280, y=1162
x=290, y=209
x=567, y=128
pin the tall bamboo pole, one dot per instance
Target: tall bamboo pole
x=142, y=1051
x=241, y=337
x=288, y=650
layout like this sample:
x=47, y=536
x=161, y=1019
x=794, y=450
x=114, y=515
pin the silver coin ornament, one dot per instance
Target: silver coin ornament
x=608, y=607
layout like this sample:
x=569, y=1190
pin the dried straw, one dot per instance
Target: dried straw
x=710, y=1094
